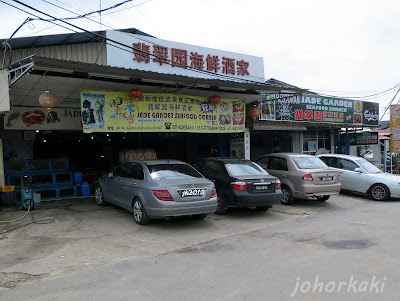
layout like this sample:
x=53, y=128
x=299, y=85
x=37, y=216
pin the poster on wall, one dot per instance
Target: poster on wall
x=159, y=112
x=237, y=148
x=31, y=118
x=267, y=108
x=315, y=108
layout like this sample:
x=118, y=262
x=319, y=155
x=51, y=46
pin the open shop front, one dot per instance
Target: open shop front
x=71, y=129
x=71, y=161
x=307, y=123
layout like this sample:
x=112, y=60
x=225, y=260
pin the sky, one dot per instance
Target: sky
x=342, y=48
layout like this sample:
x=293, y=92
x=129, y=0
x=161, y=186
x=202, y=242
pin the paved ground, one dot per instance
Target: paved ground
x=245, y=254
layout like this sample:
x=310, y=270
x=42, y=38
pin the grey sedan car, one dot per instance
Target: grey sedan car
x=156, y=189
x=360, y=176
x=302, y=176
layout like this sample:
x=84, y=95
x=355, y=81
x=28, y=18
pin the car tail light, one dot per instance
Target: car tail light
x=213, y=193
x=239, y=185
x=307, y=177
x=163, y=195
x=278, y=185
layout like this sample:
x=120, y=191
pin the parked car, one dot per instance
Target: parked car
x=359, y=175
x=156, y=189
x=302, y=176
x=240, y=183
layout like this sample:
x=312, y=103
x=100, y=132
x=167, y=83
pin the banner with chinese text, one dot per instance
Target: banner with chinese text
x=315, y=108
x=395, y=128
x=158, y=112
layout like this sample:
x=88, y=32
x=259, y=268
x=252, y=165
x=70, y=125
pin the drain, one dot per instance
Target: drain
x=348, y=244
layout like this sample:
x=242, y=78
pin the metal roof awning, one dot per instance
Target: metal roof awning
x=90, y=70
x=67, y=78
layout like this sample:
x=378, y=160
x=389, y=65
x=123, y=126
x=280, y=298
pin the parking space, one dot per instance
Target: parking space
x=74, y=235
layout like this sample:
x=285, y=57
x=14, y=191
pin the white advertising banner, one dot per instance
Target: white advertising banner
x=167, y=57
x=247, y=144
x=32, y=118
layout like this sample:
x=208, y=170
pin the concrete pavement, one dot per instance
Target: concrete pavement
x=70, y=236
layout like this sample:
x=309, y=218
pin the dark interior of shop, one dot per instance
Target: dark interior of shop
x=101, y=151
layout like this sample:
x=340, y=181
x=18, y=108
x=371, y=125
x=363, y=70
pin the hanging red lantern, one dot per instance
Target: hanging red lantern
x=214, y=100
x=254, y=112
x=47, y=100
x=135, y=93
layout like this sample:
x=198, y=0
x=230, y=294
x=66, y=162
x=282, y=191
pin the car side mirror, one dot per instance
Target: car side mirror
x=357, y=169
x=110, y=175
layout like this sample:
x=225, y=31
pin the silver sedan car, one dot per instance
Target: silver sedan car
x=302, y=176
x=359, y=175
x=156, y=189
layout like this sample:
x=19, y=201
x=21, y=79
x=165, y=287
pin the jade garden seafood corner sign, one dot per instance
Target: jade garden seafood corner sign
x=167, y=57
x=315, y=108
x=159, y=112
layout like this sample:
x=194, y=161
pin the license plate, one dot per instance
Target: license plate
x=327, y=179
x=192, y=192
x=261, y=187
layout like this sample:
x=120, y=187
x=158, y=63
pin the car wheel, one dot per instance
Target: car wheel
x=263, y=208
x=221, y=208
x=287, y=197
x=139, y=213
x=379, y=192
x=323, y=198
x=99, y=196
x=199, y=216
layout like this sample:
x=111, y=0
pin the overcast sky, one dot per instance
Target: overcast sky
x=345, y=48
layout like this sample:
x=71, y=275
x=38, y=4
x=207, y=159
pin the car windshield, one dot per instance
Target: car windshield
x=159, y=171
x=245, y=168
x=369, y=167
x=309, y=163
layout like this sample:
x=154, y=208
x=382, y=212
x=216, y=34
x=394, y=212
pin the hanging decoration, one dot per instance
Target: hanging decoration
x=254, y=112
x=214, y=100
x=47, y=100
x=135, y=93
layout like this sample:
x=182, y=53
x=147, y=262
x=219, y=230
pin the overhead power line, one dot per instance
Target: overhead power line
x=388, y=106
x=88, y=14
x=124, y=46
x=143, y=38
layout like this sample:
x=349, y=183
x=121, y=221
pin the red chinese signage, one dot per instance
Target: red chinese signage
x=162, y=56
x=179, y=58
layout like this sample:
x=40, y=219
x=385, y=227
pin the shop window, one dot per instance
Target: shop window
x=314, y=141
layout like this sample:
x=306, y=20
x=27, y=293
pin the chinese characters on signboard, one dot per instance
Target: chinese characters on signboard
x=395, y=128
x=314, y=108
x=116, y=112
x=167, y=57
x=182, y=58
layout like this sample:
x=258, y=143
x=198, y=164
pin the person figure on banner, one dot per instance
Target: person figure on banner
x=87, y=113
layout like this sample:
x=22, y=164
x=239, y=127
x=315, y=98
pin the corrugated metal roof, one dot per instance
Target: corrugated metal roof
x=59, y=65
x=64, y=39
